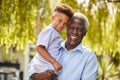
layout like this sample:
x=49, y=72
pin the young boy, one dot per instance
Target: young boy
x=49, y=40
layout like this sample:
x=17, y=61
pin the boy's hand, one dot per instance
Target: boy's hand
x=57, y=66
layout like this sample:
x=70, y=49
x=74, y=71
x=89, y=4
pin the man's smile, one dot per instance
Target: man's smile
x=73, y=37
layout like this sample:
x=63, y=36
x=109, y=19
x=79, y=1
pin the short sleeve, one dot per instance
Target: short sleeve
x=45, y=37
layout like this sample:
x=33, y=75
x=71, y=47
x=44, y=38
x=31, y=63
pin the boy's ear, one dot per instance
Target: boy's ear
x=53, y=17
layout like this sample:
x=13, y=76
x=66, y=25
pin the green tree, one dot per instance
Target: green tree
x=18, y=21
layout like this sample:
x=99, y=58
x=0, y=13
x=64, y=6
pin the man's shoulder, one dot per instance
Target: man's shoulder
x=89, y=51
x=89, y=54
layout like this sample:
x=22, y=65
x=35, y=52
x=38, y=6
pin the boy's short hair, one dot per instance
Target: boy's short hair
x=65, y=9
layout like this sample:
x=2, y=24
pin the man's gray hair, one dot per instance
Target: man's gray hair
x=83, y=18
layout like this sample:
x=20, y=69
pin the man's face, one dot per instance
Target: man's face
x=75, y=32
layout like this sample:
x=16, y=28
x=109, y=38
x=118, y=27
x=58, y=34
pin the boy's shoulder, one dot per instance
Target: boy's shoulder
x=48, y=28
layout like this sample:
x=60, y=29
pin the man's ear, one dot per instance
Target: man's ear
x=85, y=32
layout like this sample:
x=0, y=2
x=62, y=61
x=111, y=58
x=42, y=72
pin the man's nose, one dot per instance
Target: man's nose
x=75, y=31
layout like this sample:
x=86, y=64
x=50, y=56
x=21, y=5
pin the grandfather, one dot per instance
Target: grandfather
x=79, y=63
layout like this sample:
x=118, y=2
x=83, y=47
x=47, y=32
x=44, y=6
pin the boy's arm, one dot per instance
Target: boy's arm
x=44, y=53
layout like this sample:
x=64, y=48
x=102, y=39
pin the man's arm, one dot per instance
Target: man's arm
x=91, y=68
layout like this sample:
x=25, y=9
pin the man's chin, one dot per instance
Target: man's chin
x=72, y=43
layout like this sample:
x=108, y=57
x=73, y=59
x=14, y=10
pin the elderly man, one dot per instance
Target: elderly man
x=79, y=63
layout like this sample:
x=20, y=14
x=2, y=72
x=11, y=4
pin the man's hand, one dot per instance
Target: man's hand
x=47, y=75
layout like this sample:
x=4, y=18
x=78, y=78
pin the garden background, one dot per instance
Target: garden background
x=22, y=20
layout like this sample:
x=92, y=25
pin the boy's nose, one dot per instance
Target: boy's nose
x=62, y=25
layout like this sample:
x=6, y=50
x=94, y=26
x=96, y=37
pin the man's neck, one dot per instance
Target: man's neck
x=69, y=47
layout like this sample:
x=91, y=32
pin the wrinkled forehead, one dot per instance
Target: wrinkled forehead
x=77, y=20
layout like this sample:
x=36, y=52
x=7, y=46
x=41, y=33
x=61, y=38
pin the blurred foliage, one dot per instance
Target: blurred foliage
x=107, y=70
x=19, y=19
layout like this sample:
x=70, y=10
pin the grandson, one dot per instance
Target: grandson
x=49, y=40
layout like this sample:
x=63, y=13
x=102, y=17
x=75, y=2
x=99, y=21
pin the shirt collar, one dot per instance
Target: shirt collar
x=78, y=48
x=51, y=25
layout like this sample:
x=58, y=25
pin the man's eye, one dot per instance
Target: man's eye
x=79, y=29
x=71, y=28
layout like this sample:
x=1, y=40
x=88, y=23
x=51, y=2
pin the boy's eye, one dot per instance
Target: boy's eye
x=60, y=20
x=65, y=24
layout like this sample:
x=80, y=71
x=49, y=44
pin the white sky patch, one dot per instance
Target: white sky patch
x=81, y=1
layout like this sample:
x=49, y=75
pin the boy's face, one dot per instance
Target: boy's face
x=59, y=20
